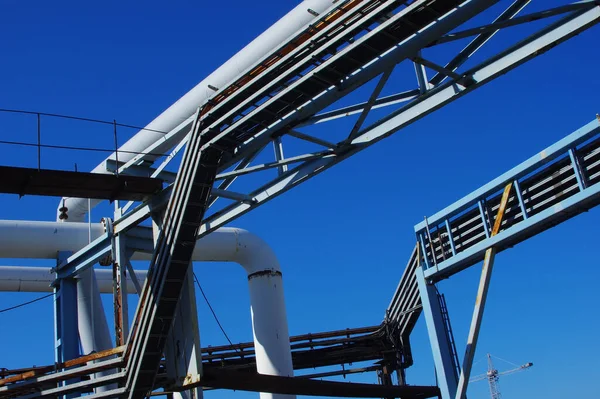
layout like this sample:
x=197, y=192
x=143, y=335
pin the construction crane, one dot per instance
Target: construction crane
x=493, y=375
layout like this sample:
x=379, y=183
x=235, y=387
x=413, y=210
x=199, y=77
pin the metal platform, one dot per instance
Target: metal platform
x=55, y=183
x=41, y=382
x=551, y=187
x=313, y=350
x=300, y=386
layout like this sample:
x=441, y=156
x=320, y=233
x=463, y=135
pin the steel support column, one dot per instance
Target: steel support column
x=484, y=284
x=65, y=321
x=440, y=346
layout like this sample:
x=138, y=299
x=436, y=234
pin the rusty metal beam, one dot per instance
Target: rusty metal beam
x=45, y=182
x=301, y=386
x=484, y=284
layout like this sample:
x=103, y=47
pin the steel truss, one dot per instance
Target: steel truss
x=447, y=85
x=355, y=42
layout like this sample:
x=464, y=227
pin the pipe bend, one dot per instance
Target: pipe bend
x=254, y=254
x=226, y=244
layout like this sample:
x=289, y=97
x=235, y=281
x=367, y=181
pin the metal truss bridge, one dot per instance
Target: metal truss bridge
x=353, y=43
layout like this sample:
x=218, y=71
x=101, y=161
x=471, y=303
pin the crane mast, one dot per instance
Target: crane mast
x=493, y=376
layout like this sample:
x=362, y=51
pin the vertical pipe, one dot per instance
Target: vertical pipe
x=93, y=328
x=94, y=333
x=269, y=325
x=271, y=335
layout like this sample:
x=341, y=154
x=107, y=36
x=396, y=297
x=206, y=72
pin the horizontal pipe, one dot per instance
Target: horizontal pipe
x=269, y=319
x=223, y=245
x=38, y=279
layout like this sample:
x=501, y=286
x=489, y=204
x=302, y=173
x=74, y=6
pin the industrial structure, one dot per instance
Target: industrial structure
x=493, y=375
x=284, y=80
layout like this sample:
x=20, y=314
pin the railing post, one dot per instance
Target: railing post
x=39, y=141
x=116, y=147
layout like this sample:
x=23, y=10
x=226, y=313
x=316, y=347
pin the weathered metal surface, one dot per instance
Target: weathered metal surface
x=23, y=374
x=45, y=182
x=171, y=261
x=39, y=382
x=547, y=184
x=302, y=386
x=480, y=299
x=311, y=350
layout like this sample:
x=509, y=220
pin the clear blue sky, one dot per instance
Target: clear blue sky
x=344, y=237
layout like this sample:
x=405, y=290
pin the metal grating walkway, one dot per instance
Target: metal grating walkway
x=170, y=263
x=549, y=188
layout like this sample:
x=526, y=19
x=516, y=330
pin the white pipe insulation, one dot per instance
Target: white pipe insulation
x=177, y=119
x=269, y=319
x=177, y=114
x=38, y=279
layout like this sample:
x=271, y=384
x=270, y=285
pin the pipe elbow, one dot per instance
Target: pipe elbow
x=254, y=254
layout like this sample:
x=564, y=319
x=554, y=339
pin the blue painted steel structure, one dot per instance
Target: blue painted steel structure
x=533, y=207
x=66, y=334
x=293, y=93
x=556, y=184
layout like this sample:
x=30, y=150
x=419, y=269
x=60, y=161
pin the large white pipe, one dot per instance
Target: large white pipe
x=269, y=319
x=265, y=299
x=38, y=279
x=185, y=107
x=94, y=333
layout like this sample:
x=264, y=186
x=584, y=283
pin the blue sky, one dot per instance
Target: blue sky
x=344, y=237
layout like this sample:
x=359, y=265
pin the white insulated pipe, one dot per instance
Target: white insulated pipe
x=177, y=114
x=38, y=279
x=264, y=285
x=267, y=303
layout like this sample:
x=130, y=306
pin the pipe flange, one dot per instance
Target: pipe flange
x=267, y=273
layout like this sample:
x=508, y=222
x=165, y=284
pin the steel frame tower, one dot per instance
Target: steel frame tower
x=349, y=45
x=492, y=376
